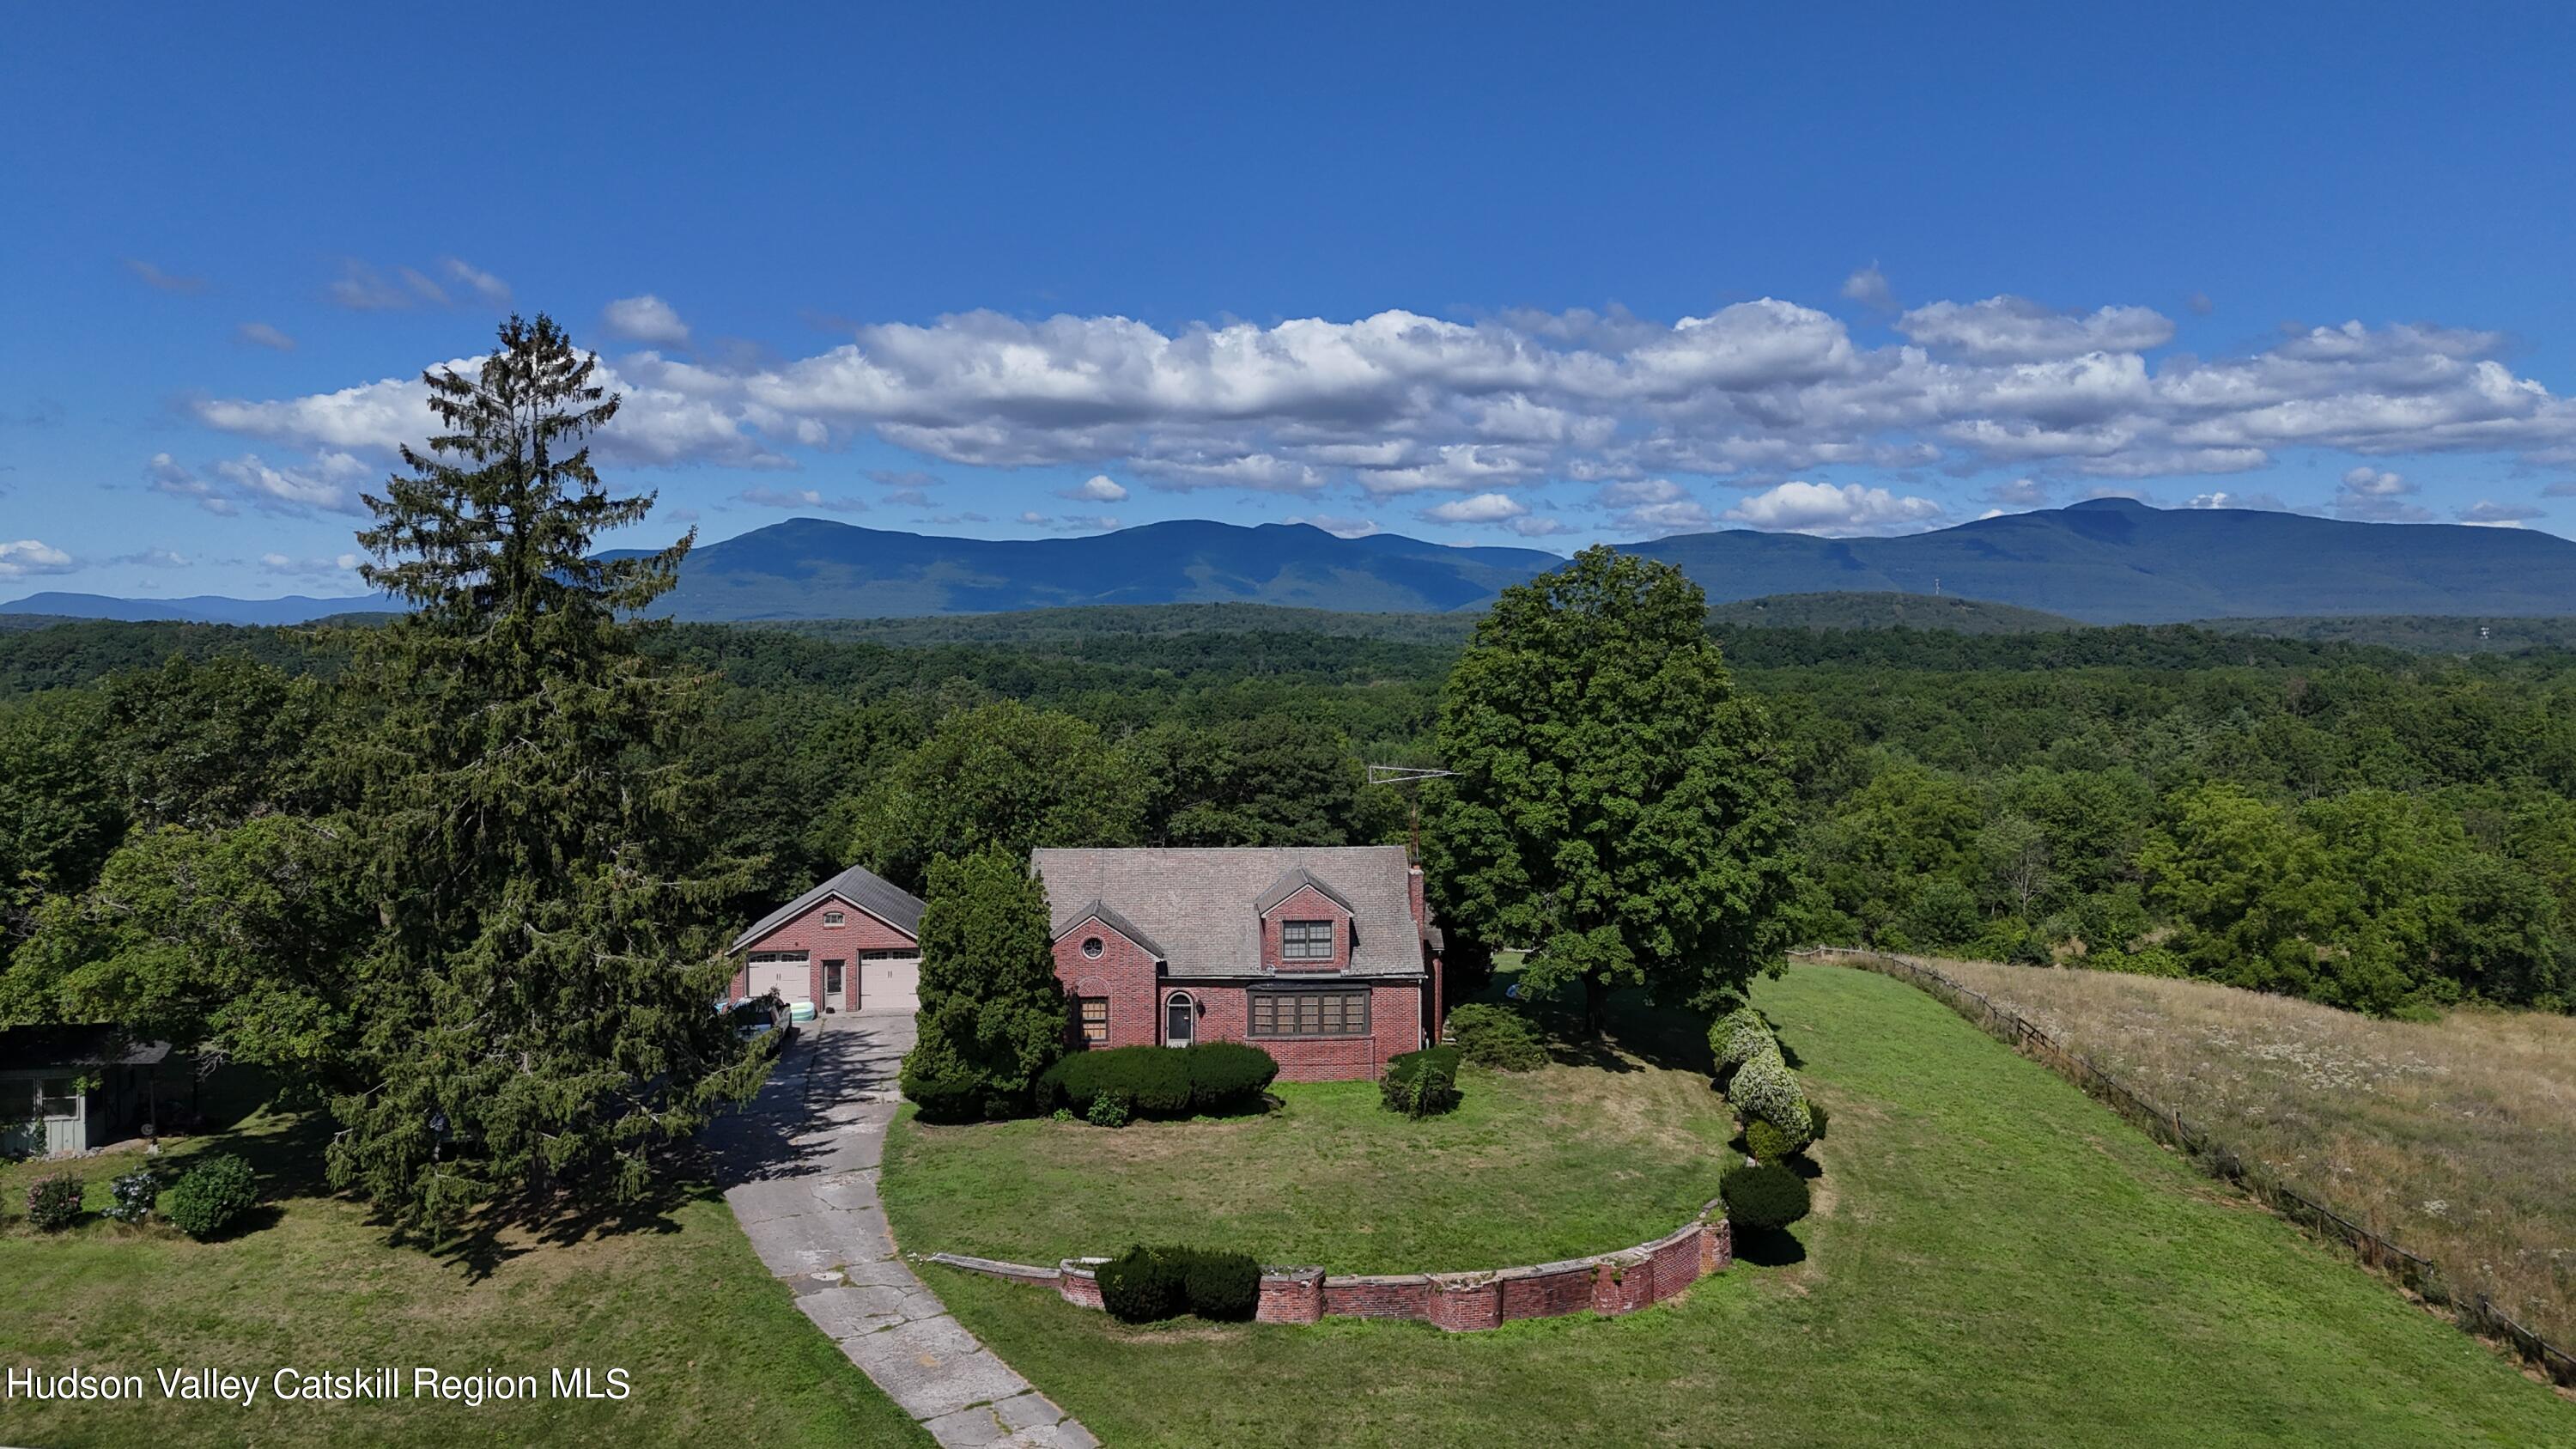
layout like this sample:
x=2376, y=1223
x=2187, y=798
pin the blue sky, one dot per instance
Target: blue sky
x=1481, y=275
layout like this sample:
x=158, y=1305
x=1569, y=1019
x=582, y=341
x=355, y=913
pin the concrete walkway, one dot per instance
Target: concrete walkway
x=801, y=1175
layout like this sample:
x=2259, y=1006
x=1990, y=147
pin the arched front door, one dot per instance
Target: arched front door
x=1180, y=1019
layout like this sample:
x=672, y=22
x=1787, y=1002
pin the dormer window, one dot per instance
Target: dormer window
x=834, y=918
x=1305, y=940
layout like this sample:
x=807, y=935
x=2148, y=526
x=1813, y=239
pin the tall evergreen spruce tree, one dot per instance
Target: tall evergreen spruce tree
x=535, y=1010
x=1617, y=805
x=992, y=1013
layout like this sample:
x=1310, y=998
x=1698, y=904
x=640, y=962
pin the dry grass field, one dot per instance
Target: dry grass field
x=2455, y=1138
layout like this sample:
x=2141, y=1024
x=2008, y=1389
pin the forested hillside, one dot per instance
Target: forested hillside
x=2368, y=827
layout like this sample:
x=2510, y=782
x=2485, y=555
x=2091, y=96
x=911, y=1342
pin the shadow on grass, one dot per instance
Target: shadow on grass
x=1769, y=1247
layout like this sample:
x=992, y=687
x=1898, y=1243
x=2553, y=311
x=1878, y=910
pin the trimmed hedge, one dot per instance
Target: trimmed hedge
x=1765, y=1090
x=1143, y=1285
x=1735, y=1037
x=1497, y=1037
x=1161, y=1081
x=212, y=1195
x=1768, y=1196
x=1421, y=1084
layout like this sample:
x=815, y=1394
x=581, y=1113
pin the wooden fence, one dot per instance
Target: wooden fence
x=2475, y=1313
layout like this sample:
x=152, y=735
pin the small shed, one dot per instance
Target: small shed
x=66, y=1089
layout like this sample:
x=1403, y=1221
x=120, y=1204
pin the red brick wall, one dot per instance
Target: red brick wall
x=1123, y=972
x=842, y=943
x=1224, y=1014
x=1611, y=1283
x=1305, y=904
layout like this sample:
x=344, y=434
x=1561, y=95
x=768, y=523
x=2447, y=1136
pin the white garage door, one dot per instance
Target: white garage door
x=889, y=983
x=789, y=979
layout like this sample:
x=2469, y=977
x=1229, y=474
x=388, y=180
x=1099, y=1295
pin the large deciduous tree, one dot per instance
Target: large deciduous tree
x=1617, y=807
x=535, y=1010
x=992, y=1014
x=1001, y=776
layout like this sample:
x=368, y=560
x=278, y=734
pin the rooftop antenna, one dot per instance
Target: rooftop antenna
x=1409, y=775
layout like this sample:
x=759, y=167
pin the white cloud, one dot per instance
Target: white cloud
x=2260, y=502
x=1797, y=507
x=1098, y=488
x=491, y=289
x=28, y=556
x=161, y=281
x=1638, y=492
x=2491, y=514
x=2377, y=496
x=646, y=319
x=260, y=334
x=2016, y=329
x=795, y=498
x=155, y=558
x=907, y=498
x=1398, y=403
x=165, y=474
x=2019, y=493
x=332, y=569
x=1538, y=527
x=1340, y=527
x=1661, y=520
x=328, y=484
x=1868, y=287
x=362, y=288
x=1483, y=508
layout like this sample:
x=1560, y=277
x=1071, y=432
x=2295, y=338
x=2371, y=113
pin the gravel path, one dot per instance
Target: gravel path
x=801, y=1167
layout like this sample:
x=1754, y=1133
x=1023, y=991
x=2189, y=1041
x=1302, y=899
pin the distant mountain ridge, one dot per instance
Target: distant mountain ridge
x=2110, y=561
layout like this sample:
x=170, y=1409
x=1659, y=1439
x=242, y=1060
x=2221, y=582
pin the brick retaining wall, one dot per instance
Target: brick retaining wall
x=1610, y=1283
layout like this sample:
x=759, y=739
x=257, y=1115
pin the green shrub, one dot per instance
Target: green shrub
x=1768, y=1196
x=1764, y=1089
x=1228, y=1075
x=1497, y=1037
x=135, y=1192
x=1143, y=1285
x=1421, y=1084
x=1815, y=1120
x=1161, y=1081
x=943, y=1096
x=1107, y=1109
x=1221, y=1285
x=1736, y=1036
x=1771, y=1144
x=2153, y=961
x=213, y=1195
x=54, y=1201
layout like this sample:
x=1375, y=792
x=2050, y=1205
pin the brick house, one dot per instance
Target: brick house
x=852, y=943
x=1325, y=956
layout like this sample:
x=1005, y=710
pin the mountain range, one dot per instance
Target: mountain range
x=2109, y=561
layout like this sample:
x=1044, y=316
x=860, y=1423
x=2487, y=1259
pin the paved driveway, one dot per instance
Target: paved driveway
x=801, y=1175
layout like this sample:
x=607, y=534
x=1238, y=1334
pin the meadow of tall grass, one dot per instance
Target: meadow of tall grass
x=2456, y=1138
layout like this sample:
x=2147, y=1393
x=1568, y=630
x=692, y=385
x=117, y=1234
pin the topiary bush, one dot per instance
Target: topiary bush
x=1764, y=1197
x=1771, y=1144
x=1497, y=1037
x=1221, y=1285
x=1736, y=1036
x=1161, y=1081
x=54, y=1201
x=1228, y=1075
x=1764, y=1089
x=1142, y=1285
x=1421, y=1084
x=134, y=1194
x=213, y=1195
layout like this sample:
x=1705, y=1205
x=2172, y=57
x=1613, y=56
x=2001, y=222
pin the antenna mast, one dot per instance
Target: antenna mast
x=1409, y=775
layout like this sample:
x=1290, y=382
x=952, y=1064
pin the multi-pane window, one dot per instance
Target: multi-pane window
x=834, y=918
x=1095, y=1020
x=1310, y=1013
x=57, y=1097
x=1305, y=940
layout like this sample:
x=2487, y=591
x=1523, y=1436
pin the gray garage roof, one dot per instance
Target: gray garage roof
x=859, y=886
x=1203, y=906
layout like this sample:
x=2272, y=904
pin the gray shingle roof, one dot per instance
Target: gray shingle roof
x=1201, y=904
x=1292, y=880
x=859, y=886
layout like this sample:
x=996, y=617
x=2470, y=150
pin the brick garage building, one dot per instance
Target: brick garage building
x=852, y=943
x=1324, y=956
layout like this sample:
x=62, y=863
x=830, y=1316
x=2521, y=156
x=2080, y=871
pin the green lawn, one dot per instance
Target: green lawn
x=714, y=1348
x=1533, y=1167
x=1997, y=1261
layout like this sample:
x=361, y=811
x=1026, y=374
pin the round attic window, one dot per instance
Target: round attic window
x=1091, y=947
